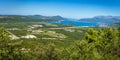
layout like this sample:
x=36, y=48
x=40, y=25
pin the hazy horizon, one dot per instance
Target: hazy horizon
x=65, y=8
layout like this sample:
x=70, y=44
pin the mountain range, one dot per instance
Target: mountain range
x=39, y=18
x=102, y=19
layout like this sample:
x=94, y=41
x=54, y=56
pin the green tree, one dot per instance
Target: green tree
x=8, y=48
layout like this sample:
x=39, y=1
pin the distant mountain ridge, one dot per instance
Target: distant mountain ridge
x=102, y=19
x=29, y=18
x=43, y=17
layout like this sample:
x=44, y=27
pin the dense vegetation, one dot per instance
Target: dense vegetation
x=96, y=44
x=56, y=41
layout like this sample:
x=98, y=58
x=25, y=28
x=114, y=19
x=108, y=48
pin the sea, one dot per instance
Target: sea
x=75, y=23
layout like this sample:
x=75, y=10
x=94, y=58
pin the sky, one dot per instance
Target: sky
x=65, y=8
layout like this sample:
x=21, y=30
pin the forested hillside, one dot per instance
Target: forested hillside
x=29, y=18
x=97, y=44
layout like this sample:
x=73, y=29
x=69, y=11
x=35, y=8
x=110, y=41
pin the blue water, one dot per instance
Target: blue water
x=75, y=23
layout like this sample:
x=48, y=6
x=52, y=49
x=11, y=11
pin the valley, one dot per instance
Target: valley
x=40, y=38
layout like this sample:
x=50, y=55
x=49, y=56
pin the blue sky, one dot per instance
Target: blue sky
x=65, y=8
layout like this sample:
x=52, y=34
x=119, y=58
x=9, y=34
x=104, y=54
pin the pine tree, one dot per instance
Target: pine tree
x=8, y=48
